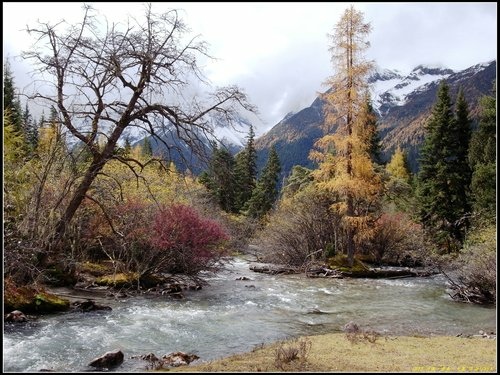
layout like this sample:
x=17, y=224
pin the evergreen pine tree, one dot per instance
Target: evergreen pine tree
x=266, y=191
x=246, y=172
x=372, y=135
x=219, y=179
x=442, y=195
x=30, y=129
x=147, y=149
x=482, y=160
x=11, y=100
x=460, y=172
x=127, y=148
x=299, y=179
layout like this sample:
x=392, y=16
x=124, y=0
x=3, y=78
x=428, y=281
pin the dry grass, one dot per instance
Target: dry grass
x=294, y=350
x=335, y=352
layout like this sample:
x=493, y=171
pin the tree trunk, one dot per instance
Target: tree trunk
x=350, y=246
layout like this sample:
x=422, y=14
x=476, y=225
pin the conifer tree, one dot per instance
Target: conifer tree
x=30, y=129
x=11, y=100
x=127, y=148
x=459, y=166
x=219, y=179
x=371, y=135
x=246, y=171
x=299, y=179
x=346, y=170
x=147, y=149
x=13, y=153
x=398, y=166
x=398, y=185
x=482, y=160
x=442, y=197
x=266, y=191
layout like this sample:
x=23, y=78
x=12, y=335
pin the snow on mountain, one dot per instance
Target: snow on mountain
x=231, y=135
x=469, y=72
x=390, y=88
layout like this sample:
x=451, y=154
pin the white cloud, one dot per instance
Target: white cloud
x=278, y=52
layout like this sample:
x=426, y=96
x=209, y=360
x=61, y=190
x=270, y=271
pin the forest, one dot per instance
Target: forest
x=78, y=197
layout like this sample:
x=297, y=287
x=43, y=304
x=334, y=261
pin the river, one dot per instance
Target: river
x=231, y=316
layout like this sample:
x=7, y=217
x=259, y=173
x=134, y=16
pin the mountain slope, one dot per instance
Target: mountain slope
x=402, y=102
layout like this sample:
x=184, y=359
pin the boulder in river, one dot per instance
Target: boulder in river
x=108, y=359
x=89, y=305
x=16, y=316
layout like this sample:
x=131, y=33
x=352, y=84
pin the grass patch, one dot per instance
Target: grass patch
x=335, y=352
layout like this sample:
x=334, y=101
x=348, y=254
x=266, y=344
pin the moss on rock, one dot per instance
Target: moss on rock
x=31, y=299
x=47, y=303
x=94, y=269
x=118, y=280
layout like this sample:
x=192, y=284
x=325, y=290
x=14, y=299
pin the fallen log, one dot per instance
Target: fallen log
x=275, y=270
x=324, y=272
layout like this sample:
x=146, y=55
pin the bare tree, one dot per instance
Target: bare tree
x=134, y=75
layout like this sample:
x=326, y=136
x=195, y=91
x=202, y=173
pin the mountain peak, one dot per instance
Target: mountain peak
x=380, y=74
x=390, y=88
x=403, y=105
x=435, y=69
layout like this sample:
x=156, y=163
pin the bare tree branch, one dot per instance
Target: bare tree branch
x=133, y=75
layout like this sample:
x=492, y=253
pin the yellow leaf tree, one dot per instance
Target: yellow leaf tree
x=398, y=166
x=345, y=166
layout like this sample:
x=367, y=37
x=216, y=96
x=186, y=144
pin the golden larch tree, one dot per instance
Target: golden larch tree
x=345, y=166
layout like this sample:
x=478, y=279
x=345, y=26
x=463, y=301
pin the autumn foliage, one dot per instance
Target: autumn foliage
x=189, y=240
x=396, y=240
x=148, y=239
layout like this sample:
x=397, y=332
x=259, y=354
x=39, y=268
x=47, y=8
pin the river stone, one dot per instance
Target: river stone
x=351, y=327
x=108, y=359
x=178, y=359
x=16, y=316
x=90, y=305
x=146, y=357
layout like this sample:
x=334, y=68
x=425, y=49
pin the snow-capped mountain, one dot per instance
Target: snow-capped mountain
x=234, y=134
x=390, y=88
x=403, y=102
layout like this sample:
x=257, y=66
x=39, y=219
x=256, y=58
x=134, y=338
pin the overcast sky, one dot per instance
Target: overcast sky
x=278, y=52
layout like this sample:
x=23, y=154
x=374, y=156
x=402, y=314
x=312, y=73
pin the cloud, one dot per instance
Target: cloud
x=278, y=52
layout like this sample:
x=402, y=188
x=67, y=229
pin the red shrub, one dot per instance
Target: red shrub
x=190, y=241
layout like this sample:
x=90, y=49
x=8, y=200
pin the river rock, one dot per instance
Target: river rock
x=147, y=357
x=177, y=359
x=108, y=359
x=16, y=316
x=351, y=327
x=89, y=305
x=243, y=278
